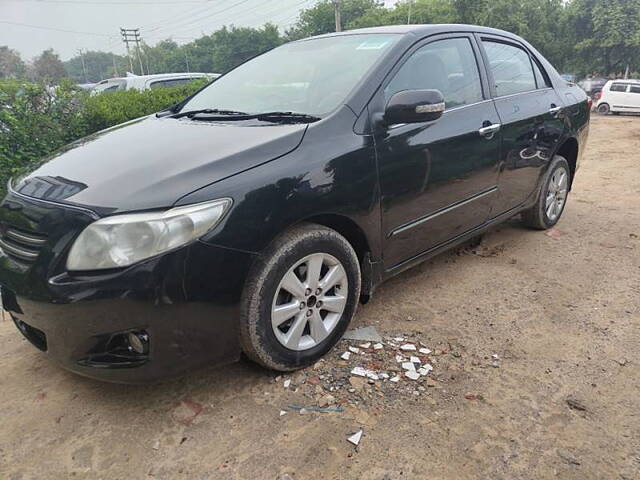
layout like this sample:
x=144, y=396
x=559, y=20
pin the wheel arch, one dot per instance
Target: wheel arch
x=569, y=150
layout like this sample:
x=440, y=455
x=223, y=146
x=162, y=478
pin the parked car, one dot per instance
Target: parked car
x=570, y=77
x=593, y=86
x=147, y=82
x=255, y=215
x=619, y=96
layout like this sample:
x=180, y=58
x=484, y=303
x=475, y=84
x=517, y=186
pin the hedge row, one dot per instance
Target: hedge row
x=35, y=120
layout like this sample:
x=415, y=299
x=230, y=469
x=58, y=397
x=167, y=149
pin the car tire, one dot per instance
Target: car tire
x=268, y=335
x=603, y=109
x=552, y=197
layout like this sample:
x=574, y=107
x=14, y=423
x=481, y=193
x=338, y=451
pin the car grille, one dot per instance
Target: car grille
x=21, y=245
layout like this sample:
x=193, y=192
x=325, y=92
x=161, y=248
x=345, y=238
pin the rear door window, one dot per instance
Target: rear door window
x=618, y=87
x=172, y=82
x=511, y=68
x=447, y=65
x=634, y=89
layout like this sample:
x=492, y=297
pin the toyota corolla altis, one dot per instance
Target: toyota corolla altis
x=255, y=215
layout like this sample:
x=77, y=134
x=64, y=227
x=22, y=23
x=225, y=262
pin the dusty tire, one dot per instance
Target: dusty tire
x=538, y=215
x=603, y=109
x=264, y=342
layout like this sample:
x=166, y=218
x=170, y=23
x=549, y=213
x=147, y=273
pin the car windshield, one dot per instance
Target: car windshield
x=311, y=77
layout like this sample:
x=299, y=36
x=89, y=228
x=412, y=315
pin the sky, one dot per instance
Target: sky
x=31, y=26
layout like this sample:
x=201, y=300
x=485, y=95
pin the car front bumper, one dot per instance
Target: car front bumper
x=185, y=302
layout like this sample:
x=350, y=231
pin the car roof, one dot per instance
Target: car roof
x=625, y=80
x=423, y=30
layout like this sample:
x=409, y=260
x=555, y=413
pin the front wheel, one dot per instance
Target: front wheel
x=552, y=197
x=300, y=297
x=603, y=109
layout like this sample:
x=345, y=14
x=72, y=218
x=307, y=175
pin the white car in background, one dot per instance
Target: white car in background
x=149, y=82
x=619, y=96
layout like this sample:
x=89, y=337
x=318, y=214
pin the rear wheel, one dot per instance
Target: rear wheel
x=300, y=297
x=552, y=197
x=604, y=109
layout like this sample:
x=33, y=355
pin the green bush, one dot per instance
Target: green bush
x=35, y=120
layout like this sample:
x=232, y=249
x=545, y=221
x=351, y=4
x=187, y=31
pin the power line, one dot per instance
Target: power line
x=55, y=29
x=117, y=2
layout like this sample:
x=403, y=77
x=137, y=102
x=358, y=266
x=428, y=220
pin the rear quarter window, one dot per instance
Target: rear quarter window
x=618, y=87
x=635, y=89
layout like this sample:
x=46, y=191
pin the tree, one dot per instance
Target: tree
x=48, y=67
x=11, y=65
x=98, y=65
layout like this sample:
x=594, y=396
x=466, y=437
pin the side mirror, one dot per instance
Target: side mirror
x=414, y=106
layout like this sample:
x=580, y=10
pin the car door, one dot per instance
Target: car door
x=531, y=115
x=633, y=98
x=437, y=179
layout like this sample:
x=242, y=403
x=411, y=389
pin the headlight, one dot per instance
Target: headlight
x=122, y=240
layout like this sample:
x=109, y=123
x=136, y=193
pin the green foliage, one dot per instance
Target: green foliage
x=11, y=65
x=98, y=66
x=36, y=120
x=48, y=67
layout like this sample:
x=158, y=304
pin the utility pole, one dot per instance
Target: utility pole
x=336, y=4
x=115, y=68
x=186, y=59
x=132, y=35
x=409, y=14
x=84, y=68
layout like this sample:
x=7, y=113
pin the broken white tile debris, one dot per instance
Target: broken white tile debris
x=399, y=358
x=359, y=371
x=365, y=345
x=384, y=376
x=398, y=339
x=287, y=382
x=423, y=371
x=156, y=445
x=495, y=356
x=412, y=374
x=345, y=355
x=282, y=413
x=377, y=346
x=355, y=438
x=409, y=366
x=354, y=349
x=414, y=360
x=363, y=334
x=408, y=347
x=372, y=375
x=425, y=351
x=395, y=379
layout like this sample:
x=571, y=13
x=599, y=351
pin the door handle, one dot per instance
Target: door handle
x=489, y=130
x=555, y=110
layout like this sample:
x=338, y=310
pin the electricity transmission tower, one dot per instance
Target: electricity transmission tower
x=132, y=35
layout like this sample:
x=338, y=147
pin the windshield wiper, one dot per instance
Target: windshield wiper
x=276, y=117
x=212, y=111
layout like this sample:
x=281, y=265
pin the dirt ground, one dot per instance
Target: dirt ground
x=560, y=309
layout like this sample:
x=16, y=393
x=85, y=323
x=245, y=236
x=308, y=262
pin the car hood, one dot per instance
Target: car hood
x=152, y=162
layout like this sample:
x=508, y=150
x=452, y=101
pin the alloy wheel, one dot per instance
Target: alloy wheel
x=556, y=194
x=309, y=301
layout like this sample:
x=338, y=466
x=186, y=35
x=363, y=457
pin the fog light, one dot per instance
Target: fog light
x=138, y=342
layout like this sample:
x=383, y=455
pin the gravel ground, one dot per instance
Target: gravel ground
x=560, y=310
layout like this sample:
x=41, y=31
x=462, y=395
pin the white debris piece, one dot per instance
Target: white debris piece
x=423, y=371
x=372, y=375
x=283, y=413
x=377, y=346
x=287, y=382
x=409, y=366
x=408, y=347
x=384, y=376
x=355, y=438
x=412, y=374
x=365, y=345
x=354, y=350
x=395, y=379
x=414, y=360
x=425, y=351
x=156, y=445
x=399, y=358
x=495, y=356
x=345, y=355
x=359, y=371
x=398, y=339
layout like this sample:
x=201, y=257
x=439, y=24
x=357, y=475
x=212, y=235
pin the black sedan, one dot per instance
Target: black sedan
x=254, y=216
